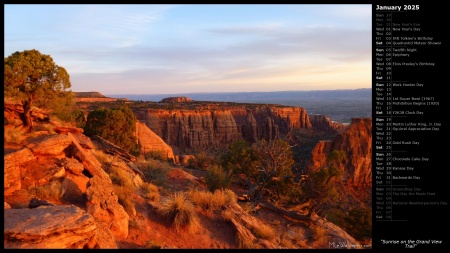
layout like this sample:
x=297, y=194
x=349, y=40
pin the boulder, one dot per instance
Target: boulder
x=72, y=165
x=49, y=227
x=84, y=141
x=53, y=144
x=12, y=161
x=75, y=188
x=40, y=172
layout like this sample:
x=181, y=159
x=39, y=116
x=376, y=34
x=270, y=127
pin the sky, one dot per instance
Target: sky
x=174, y=49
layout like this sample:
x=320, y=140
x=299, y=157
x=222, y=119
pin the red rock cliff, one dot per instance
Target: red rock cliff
x=356, y=141
x=322, y=122
x=217, y=126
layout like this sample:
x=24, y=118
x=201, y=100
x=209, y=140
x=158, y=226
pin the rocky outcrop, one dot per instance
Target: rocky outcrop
x=323, y=123
x=103, y=206
x=216, y=127
x=356, y=142
x=53, y=144
x=54, y=227
x=65, y=130
x=12, y=112
x=105, y=99
x=150, y=141
x=176, y=100
x=60, y=160
x=90, y=163
x=93, y=96
x=12, y=161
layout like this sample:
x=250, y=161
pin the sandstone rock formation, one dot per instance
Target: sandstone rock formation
x=53, y=144
x=44, y=227
x=176, y=100
x=12, y=111
x=322, y=122
x=60, y=159
x=216, y=127
x=103, y=206
x=356, y=142
x=150, y=141
x=12, y=161
x=93, y=96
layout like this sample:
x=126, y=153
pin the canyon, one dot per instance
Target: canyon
x=89, y=214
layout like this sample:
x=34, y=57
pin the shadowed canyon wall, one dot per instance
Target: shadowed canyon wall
x=217, y=127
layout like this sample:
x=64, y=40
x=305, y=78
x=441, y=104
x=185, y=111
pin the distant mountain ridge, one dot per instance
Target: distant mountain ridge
x=360, y=94
x=338, y=105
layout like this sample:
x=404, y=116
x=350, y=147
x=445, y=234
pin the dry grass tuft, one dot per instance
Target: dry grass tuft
x=213, y=201
x=227, y=215
x=102, y=156
x=245, y=243
x=286, y=243
x=297, y=236
x=121, y=177
x=124, y=198
x=319, y=235
x=264, y=231
x=151, y=191
x=179, y=210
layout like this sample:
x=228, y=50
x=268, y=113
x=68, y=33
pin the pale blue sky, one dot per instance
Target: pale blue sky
x=169, y=49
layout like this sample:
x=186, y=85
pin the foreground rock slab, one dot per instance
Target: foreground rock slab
x=50, y=227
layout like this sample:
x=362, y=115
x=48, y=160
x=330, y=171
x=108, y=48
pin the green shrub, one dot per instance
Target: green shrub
x=202, y=161
x=156, y=155
x=155, y=171
x=117, y=125
x=217, y=178
x=359, y=223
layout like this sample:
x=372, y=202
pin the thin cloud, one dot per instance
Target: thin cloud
x=156, y=48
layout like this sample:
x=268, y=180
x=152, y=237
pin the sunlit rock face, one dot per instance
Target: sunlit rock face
x=356, y=142
x=218, y=126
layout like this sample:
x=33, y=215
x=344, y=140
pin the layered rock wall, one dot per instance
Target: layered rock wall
x=356, y=142
x=214, y=128
x=323, y=122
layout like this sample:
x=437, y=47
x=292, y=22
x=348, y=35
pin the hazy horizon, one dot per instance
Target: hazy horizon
x=225, y=92
x=190, y=48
